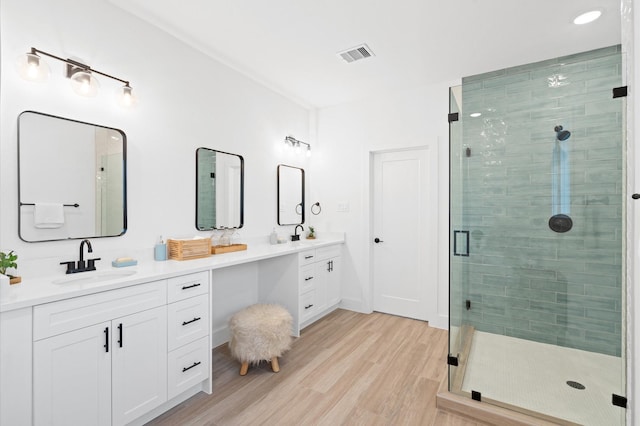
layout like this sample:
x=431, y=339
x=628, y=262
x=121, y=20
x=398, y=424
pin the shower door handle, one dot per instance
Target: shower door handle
x=460, y=243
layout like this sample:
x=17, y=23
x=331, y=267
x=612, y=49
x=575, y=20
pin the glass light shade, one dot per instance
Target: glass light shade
x=84, y=84
x=31, y=67
x=126, y=98
x=308, y=151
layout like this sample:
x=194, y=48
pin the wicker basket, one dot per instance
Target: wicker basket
x=189, y=249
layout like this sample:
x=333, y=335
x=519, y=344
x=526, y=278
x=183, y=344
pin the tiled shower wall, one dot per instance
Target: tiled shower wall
x=522, y=278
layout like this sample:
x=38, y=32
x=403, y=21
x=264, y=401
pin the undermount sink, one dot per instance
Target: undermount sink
x=93, y=277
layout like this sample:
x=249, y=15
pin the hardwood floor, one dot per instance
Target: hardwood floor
x=348, y=368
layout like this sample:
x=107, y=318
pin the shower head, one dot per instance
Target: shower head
x=561, y=135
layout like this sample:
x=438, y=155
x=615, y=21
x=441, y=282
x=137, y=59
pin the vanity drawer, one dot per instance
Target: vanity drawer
x=328, y=252
x=306, y=257
x=188, y=366
x=307, y=278
x=187, y=286
x=307, y=305
x=55, y=318
x=188, y=320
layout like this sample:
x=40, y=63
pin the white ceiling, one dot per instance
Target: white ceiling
x=291, y=45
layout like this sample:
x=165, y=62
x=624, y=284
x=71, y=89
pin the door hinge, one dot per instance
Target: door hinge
x=454, y=116
x=619, y=92
x=467, y=304
x=452, y=360
x=619, y=401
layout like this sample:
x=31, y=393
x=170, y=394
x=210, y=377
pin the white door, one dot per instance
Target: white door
x=139, y=364
x=72, y=378
x=404, y=251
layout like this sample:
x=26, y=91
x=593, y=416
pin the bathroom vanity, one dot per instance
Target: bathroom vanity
x=115, y=348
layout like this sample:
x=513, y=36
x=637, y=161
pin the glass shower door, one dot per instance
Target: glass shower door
x=537, y=214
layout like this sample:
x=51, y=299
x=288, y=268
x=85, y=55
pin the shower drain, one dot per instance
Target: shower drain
x=575, y=385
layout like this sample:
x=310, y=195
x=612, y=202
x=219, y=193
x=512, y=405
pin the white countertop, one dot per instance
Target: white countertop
x=35, y=291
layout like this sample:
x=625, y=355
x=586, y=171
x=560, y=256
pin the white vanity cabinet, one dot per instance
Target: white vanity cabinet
x=111, y=357
x=97, y=359
x=318, y=283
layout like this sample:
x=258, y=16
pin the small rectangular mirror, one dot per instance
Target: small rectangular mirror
x=71, y=179
x=290, y=195
x=219, y=190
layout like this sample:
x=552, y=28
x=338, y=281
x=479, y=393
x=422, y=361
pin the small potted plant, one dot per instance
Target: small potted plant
x=312, y=234
x=8, y=260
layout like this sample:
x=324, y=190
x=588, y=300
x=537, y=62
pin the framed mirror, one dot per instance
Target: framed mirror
x=72, y=179
x=290, y=195
x=219, y=190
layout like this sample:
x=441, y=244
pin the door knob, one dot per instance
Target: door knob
x=378, y=240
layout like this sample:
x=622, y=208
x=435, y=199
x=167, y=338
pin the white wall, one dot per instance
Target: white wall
x=186, y=100
x=347, y=134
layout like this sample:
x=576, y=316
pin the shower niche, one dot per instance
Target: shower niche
x=538, y=189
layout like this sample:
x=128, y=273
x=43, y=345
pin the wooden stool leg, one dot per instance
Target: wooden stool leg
x=274, y=364
x=244, y=368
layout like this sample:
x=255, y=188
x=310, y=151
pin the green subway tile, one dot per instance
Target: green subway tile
x=555, y=329
x=558, y=287
x=579, y=343
x=506, y=321
x=603, y=314
x=587, y=302
x=530, y=335
x=532, y=294
x=587, y=323
x=556, y=308
x=489, y=328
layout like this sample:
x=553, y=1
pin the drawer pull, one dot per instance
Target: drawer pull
x=195, y=364
x=193, y=320
x=308, y=306
x=106, y=339
x=308, y=257
x=186, y=287
x=308, y=278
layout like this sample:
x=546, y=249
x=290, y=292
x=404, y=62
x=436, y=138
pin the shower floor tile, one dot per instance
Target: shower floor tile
x=534, y=376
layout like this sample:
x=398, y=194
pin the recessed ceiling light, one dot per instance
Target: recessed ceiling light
x=475, y=114
x=587, y=17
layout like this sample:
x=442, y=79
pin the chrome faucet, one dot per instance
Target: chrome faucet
x=295, y=236
x=73, y=268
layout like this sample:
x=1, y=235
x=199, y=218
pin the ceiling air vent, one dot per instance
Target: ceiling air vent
x=356, y=53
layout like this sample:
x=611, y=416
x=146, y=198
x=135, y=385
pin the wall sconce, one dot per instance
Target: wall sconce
x=296, y=144
x=31, y=67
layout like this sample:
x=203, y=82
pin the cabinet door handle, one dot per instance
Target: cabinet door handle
x=308, y=257
x=193, y=320
x=308, y=306
x=120, y=334
x=331, y=266
x=106, y=339
x=186, y=287
x=308, y=278
x=195, y=364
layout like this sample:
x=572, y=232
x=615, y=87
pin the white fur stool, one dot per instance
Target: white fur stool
x=260, y=332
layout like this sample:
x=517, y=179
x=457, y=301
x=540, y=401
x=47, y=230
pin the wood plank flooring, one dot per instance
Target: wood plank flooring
x=346, y=369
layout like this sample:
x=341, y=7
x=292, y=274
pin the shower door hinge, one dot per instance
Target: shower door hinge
x=476, y=396
x=620, y=92
x=452, y=360
x=453, y=117
x=618, y=400
x=467, y=304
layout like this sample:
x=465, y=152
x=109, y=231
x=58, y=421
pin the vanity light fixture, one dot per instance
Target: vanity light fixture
x=32, y=67
x=297, y=145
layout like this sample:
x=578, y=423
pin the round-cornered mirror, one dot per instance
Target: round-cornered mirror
x=290, y=195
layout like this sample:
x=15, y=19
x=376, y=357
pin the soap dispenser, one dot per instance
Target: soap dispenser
x=160, y=250
x=273, y=238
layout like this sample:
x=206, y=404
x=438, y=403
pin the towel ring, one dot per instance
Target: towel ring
x=315, y=210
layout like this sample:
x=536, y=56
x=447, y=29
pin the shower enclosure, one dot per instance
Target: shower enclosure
x=537, y=228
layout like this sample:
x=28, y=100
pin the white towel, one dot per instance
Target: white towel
x=48, y=215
